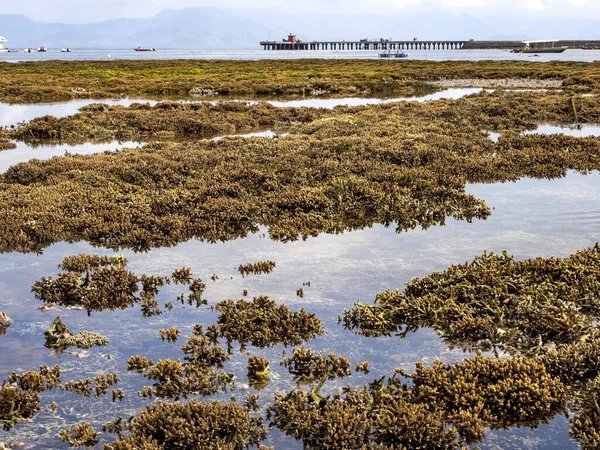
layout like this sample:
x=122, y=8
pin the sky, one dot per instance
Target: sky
x=87, y=11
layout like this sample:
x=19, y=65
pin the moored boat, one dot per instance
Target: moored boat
x=28, y=50
x=65, y=50
x=398, y=54
x=2, y=49
x=42, y=48
x=145, y=49
x=388, y=53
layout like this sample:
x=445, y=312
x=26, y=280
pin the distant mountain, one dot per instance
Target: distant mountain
x=215, y=28
x=200, y=28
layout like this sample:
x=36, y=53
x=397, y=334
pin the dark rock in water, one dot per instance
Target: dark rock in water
x=5, y=322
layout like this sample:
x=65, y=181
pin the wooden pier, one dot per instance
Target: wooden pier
x=364, y=44
x=382, y=44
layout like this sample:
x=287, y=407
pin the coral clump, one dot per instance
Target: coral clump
x=182, y=276
x=259, y=369
x=19, y=394
x=585, y=425
x=60, y=337
x=170, y=335
x=262, y=323
x=256, y=268
x=194, y=425
x=445, y=407
x=83, y=435
x=99, y=283
x=518, y=306
x=7, y=145
x=98, y=386
x=196, y=375
x=307, y=367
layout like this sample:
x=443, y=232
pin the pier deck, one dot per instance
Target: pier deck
x=383, y=44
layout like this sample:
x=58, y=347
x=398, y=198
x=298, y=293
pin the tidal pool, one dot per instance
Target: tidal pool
x=530, y=218
x=25, y=152
x=12, y=114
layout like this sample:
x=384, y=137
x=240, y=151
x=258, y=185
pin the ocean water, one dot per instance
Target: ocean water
x=258, y=54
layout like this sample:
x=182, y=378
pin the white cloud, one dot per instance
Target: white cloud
x=95, y=10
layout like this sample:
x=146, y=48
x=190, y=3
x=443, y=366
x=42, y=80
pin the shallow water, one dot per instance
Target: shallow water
x=12, y=114
x=453, y=93
x=342, y=268
x=582, y=130
x=257, y=53
x=25, y=152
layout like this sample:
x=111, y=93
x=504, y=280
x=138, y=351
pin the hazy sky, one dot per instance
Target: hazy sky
x=83, y=11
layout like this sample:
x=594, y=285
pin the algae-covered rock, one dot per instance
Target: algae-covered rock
x=60, y=337
x=5, y=322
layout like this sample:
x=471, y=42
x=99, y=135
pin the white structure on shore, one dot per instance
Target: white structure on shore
x=2, y=49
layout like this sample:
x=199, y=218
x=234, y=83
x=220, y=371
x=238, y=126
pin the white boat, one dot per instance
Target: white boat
x=42, y=48
x=2, y=49
x=28, y=50
x=65, y=50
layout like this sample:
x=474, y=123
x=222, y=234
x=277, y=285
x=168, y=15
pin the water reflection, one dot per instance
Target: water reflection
x=12, y=114
x=25, y=152
x=579, y=130
x=452, y=94
x=531, y=218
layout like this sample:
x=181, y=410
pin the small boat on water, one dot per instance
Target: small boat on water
x=398, y=54
x=389, y=55
x=540, y=46
x=28, y=50
x=2, y=49
x=65, y=50
x=42, y=48
x=145, y=49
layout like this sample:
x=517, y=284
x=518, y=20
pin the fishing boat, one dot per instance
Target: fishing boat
x=398, y=54
x=145, y=49
x=540, y=46
x=65, y=50
x=2, y=49
x=42, y=48
x=388, y=53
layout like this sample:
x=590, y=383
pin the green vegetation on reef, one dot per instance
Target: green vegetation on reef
x=444, y=407
x=99, y=283
x=495, y=301
x=263, y=323
x=64, y=80
x=20, y=394
x=256, y=268
x=207, y=426
x=7, y=145
x=164, y=121
x=405, y=164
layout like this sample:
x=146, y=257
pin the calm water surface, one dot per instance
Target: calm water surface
x=530, y=218
x=259, y=54
x=13, y=114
